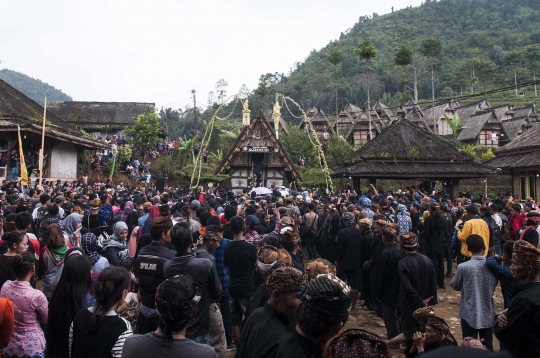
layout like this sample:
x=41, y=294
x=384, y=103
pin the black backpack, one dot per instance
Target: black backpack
x=494, y=232
x=41, y=211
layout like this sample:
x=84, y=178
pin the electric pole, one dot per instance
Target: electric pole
x=195, y=123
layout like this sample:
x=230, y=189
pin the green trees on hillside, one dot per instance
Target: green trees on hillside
x=33, y=88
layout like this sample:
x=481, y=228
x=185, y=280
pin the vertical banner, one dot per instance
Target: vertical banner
x=24, y=172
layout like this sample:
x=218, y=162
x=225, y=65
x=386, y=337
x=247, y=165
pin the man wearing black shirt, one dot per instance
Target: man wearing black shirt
x=13, y=160
x=204, y=275
x=267, y=326
x=349, y=250
x=240, y=257
x=434, y=233
x=387, y=289
x=149, y=269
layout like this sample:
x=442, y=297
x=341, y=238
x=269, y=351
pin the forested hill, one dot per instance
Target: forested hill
x=33, y=88
x=493, y=37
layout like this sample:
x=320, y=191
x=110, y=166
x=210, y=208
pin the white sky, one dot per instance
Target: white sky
x=159, y=50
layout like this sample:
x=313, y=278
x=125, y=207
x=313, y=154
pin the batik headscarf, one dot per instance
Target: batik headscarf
x=422, y=314
x=89, y=244
x=354, y=343
x=286, y=279
x=409, y=240
x=403, y=220
x=440, y=325
x=268, y=259
x=365, y=222
x=526, y=253
x=325, y=297
x=69, y=225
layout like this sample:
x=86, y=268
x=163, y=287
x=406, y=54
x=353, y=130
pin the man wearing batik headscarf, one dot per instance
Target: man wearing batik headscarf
x=354, y=343
x=403, y=220
x=319, y=267
x=266, y=326
x=388, y=282
x=365, y=204
x=437, y=336
x=518, y=326
x=320, y=316
x=377, y=245
x=349, y=242
x=421, y=316
x=418, y=286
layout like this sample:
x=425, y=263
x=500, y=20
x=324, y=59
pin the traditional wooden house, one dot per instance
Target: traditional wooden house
x=404, y=150
x=257, y=158
x=413, y=114
x=363, y=130
x=515, y=127
x=63, y=141
x=318, y=120
x=434, y=117
x=521, y=159
x=344, y=122
x=384, y=113
x=483, y=128
x=101, y=118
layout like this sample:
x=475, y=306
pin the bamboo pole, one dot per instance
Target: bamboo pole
x=42, y=150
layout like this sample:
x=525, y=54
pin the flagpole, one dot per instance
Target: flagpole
x=42, y=150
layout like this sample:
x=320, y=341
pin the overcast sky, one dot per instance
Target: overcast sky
x=158, y=51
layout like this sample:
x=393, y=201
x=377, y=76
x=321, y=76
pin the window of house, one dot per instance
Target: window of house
x=527, y=187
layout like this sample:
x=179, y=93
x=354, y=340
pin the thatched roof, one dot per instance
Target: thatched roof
x=316, y=116
x=282, y=123
x=354, y=110
x=471, y=109
x=406, y=150
x=522, y=152
x=471, y=126
x=16, y=109
x=433, y=115
x=383, y=110
x=529, y=112
x=528, y=141
x=414, y=115
x=265, y=139
x=503, y=112
x=96, y=116
x=514, y=127
x=345, y=119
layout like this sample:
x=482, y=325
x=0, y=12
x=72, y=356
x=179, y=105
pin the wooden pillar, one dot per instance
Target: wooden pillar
x=356, y=184
x=454, y=188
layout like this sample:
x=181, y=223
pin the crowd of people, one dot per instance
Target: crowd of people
x=112, y=271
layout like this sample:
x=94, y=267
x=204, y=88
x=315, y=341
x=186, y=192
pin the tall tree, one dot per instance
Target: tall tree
x=532, y=55
x=145, y=131
x=335, y=57
x=367, y=51
x=513, y=60
x=403, y=58
x=221, y=90
x=431, y=48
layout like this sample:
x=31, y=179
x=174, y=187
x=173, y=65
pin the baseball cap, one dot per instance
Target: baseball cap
x=195, y=204
x=252, y=220
x=59, y=198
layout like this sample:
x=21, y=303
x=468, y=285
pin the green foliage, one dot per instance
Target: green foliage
x=431, y=47
x=473, y=31
x=33, y=88
x=480, y=153
x=125, y=152
x=366, y=50
x=145, y=131
x=338, y=152
x=403, y=56
x=454, y=123
x=297, y=144
x=335, y=57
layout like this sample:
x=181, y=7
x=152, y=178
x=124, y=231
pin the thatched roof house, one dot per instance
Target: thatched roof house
x=405, y=150
x=528, y=112
x=257, y=146
x=521, y=157
x=105, y=118
x=516, y=126
x=366, y=127
x=62, y=140
x=434, y=117
x=504, y=112
x=343, y=122
x=483, y=128
x=318, y=120
x=413, y=114
x=383, y=111
x=471, y=109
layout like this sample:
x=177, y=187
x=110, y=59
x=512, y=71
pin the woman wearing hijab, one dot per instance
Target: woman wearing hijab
x=53, y=257
x=89, y=244
x=404, y=221
x=70, y=227
x=129, y=216
x=154, y=212
x=115, y=246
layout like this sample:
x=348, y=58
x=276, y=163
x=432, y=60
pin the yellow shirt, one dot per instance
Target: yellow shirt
x=473, y=227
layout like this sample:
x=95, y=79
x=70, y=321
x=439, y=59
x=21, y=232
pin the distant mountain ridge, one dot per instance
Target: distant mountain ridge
x=33, y=88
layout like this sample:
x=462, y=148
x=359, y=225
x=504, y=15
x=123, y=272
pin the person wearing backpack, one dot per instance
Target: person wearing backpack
x=51, y=217
x=38, y=213
x=494, y=230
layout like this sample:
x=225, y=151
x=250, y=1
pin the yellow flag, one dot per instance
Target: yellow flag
x=24, y=172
